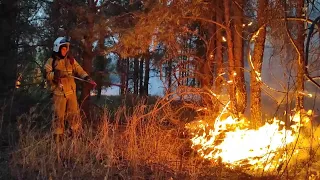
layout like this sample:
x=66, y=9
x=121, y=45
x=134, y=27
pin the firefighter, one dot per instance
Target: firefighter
x=59, y=70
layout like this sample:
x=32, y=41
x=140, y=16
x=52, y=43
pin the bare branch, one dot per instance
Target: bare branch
x=206, y=20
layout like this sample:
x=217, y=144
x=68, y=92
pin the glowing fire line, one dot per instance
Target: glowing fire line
x=230, y=141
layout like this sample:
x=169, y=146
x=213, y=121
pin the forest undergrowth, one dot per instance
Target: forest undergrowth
x=144, y=141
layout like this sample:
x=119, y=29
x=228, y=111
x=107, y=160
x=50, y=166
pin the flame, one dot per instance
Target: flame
x=306, y=94
x=230, y=141
x=18, y=83
x=224, y=39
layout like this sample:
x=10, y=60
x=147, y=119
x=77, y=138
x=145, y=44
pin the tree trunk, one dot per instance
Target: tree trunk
x=8, y=49
x=99, y=83
x=146, y=75
x=101, y=64
x=86, y=87
x=205, y=77
x=231, y=71
x=169, y=76
x=207, y=60
x=241, y=95
x=141, y=88
x=219, y=52
x=300, y=64
x=211, y=50
x=87, y=60
x=135, y=76
x=255, y=83
x=180, y=78
x=127, y=75
x=121, y=71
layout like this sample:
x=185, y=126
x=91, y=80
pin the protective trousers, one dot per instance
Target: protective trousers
x=66, y=107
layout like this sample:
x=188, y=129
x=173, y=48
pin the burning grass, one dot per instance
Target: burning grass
x=231, y=141
x=148, y=146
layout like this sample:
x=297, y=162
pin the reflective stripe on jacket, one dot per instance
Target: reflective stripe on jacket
x=68, y=84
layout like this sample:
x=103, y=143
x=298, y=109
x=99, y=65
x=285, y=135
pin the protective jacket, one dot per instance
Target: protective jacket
x=66, y=85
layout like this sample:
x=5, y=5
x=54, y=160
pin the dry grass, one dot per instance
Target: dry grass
x=142, y=148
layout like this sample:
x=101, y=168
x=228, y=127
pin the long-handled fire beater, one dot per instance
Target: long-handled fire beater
x=18, y=82
x=80, y=79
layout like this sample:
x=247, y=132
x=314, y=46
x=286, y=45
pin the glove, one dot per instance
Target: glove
x=87, y=78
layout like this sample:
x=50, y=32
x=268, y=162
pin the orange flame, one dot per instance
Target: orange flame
x=230, y=141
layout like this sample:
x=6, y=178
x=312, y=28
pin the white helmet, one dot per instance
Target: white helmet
x=59, y=42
